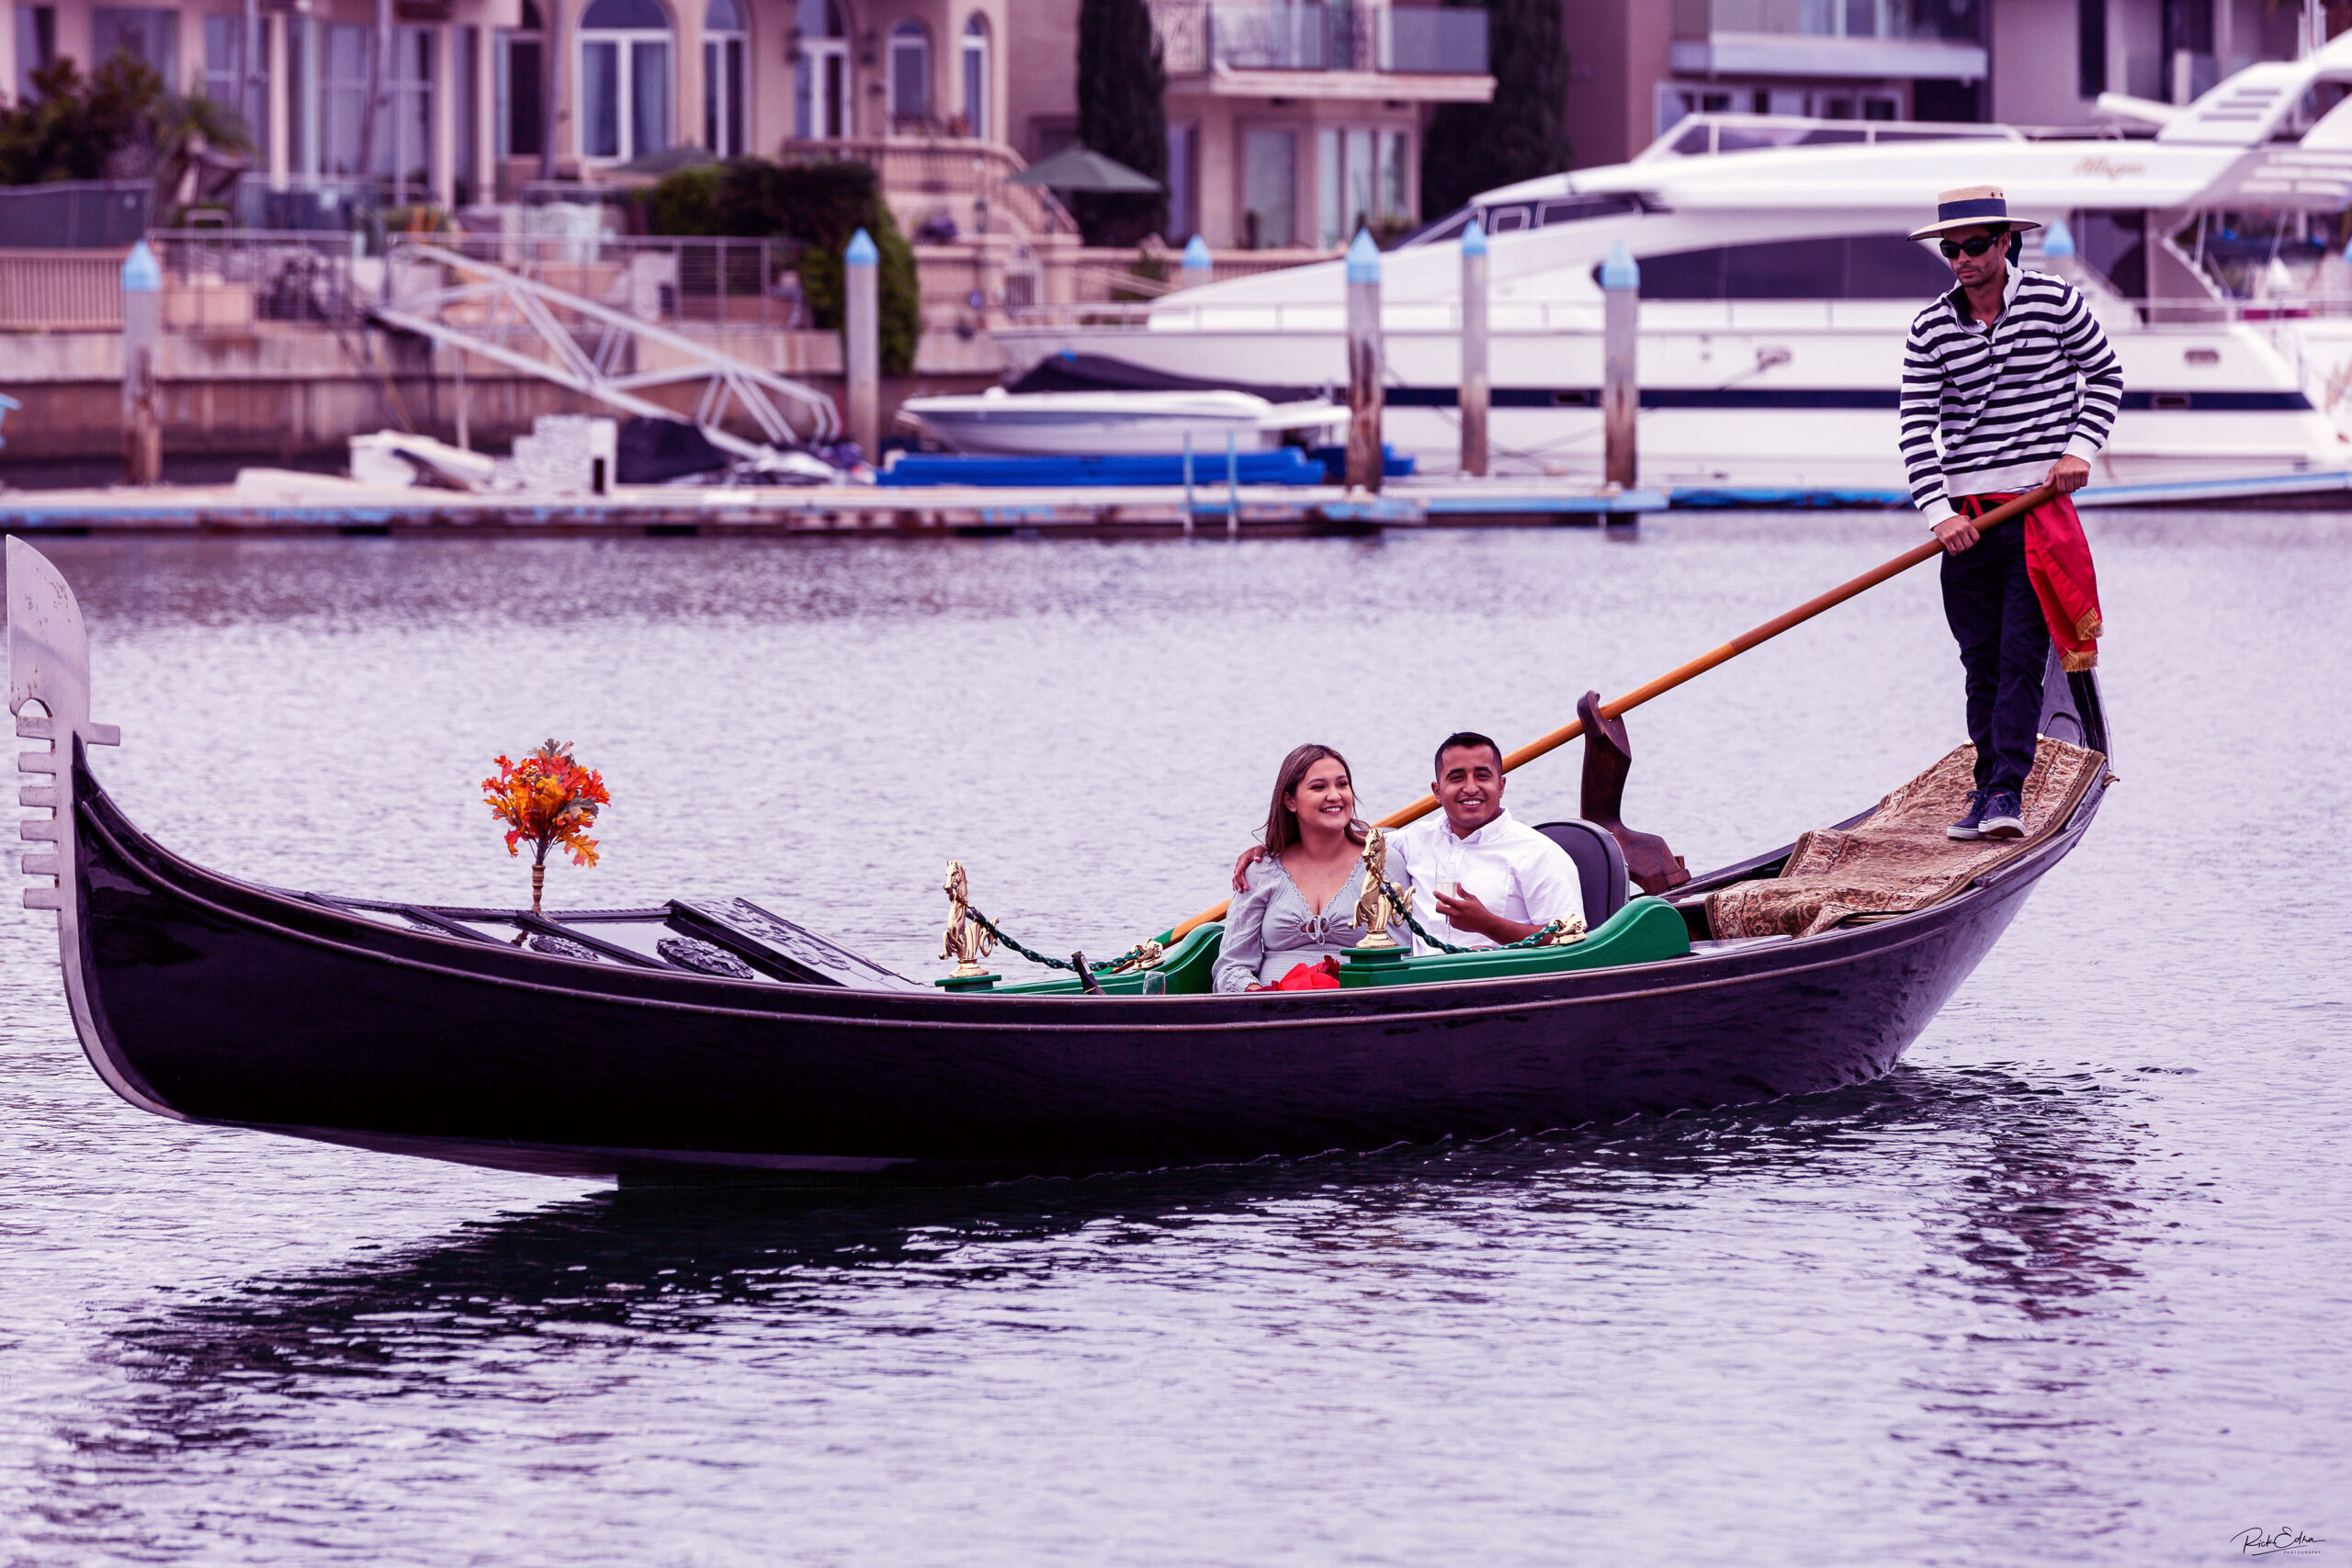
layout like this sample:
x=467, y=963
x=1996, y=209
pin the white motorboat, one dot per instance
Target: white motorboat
x=1097, y=423
x=1777, y=287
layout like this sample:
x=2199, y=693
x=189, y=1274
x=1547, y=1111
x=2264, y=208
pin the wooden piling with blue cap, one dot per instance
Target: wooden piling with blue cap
x=1620, y=387
x=1476, y=389
x=1365, y=394
x=861, y=343
x=143, y=333
x=1198, y=266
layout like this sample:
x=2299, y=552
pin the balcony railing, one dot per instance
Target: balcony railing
x=61, y=291
x=1448, y=41
x=1948, y=21
x=1194, y=38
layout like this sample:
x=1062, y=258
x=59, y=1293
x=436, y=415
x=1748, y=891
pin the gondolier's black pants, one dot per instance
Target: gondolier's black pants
x=1990, y=604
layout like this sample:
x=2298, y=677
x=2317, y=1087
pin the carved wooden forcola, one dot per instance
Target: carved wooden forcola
x=1607, y=759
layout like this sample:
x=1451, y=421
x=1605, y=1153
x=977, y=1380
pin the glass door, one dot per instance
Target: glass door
x=1270, y=187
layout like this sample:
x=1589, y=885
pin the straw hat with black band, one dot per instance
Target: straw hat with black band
x=1972, y=207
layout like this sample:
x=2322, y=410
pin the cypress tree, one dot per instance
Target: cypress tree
x=1520, y=136
x=1120, y=115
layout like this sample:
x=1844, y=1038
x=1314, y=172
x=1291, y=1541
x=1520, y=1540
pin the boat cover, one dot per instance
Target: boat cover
x=1897, y=858
x=1072, y=372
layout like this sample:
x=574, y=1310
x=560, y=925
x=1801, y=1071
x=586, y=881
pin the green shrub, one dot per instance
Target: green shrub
x=119, y=122
x=684, y=202
x=819, y=205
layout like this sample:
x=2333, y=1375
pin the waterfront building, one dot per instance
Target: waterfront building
x=464, y=102
x=1288, y=124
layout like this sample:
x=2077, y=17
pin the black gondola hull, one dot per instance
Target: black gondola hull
x=230, y=1004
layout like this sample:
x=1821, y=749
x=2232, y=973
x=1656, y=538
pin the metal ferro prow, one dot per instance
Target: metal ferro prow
x=48, y=693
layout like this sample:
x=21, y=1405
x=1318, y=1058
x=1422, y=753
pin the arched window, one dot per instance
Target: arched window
x=976, y=76
x=726, y=41
x=820, y=71
x=909, y=76
x=624, y=79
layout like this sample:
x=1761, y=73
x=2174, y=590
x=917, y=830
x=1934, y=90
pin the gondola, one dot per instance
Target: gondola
x=720, y=1040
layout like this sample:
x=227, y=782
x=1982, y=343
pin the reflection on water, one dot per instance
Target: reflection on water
x=2069, y=1284
x=811, y=1293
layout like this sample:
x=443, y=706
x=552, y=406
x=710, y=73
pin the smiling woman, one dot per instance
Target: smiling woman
x=1297, y=905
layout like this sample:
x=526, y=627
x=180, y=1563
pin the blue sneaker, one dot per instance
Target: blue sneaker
x=2003, y=817
x=1972, y=821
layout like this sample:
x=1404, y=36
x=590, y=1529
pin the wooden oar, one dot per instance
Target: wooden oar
x=1706, y=661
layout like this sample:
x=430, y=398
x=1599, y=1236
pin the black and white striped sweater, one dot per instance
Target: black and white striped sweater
x=2006, y=403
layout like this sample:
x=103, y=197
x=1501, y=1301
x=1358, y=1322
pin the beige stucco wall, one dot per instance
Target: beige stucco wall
x=1617, y=54
x=1221, y=124
x=1044, y=71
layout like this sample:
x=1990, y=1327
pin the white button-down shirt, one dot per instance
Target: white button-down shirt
x=1513, y=870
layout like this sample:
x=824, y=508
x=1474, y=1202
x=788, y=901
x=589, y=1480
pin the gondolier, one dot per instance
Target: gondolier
x=2009, y=384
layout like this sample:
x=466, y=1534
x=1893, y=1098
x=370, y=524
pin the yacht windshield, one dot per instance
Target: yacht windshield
x=1843, y=266
x=1712, y=134
x=1509, y=217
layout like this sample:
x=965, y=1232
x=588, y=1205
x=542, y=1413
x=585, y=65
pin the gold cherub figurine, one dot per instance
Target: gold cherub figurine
x=966, y=941
x=1375, y=908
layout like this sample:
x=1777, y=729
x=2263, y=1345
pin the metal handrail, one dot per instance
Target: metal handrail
x=538, y=308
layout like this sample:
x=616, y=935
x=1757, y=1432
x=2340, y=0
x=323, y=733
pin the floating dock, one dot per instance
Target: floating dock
x=267, y=502
x=309, y=504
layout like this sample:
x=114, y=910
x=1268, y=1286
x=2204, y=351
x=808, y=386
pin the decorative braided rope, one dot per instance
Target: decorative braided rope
x=1558, y=933
x=1110, y=967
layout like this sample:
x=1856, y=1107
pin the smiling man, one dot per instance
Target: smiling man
x=1491, y=879
x=2008, y=384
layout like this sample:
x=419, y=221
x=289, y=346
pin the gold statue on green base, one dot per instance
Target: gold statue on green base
x=966, y=941
x=1375, y=908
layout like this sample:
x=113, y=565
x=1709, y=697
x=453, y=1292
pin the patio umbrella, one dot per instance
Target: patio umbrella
x=1081, y=168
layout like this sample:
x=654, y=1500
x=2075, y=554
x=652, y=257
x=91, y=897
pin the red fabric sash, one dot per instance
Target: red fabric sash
x=2058, y=563
x=1322, y=976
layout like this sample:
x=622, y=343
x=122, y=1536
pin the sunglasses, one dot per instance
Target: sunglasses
x=1975, y=247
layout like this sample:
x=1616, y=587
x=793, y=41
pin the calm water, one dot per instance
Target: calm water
x=2071, y=1286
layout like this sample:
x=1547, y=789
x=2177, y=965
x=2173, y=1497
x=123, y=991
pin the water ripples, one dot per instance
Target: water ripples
x=2071, y=1282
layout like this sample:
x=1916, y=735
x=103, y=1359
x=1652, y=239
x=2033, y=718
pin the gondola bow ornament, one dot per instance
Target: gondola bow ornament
x=48, y=668
x=548, y=798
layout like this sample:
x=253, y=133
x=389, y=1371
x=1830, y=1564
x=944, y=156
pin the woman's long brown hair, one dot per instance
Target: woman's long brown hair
x=1282, y=822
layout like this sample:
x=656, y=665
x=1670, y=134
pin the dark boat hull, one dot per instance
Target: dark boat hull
x=229, y=1004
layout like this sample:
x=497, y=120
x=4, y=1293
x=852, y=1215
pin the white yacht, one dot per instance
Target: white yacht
x=1777, y=287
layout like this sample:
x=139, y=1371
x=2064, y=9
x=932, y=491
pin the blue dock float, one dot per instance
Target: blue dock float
x=2331, y=486
x=1779, y=498
x=2328, y=488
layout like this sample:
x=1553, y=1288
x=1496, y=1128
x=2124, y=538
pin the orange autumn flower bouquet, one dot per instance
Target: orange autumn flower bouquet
x=549, y=799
